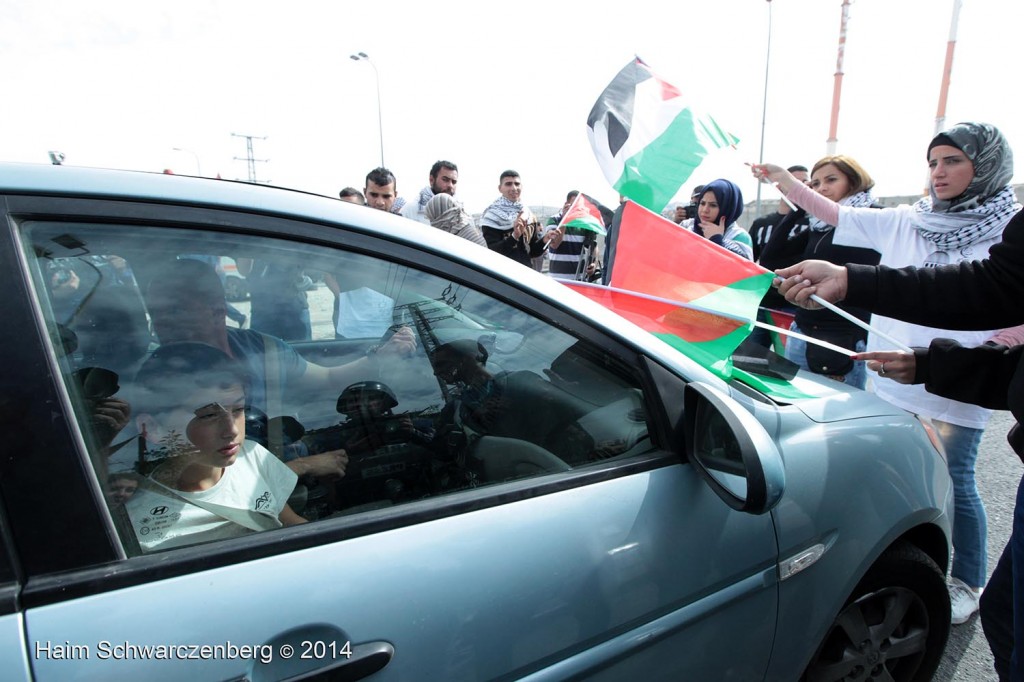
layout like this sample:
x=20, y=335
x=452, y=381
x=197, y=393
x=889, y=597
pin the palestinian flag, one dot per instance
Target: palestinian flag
x=780, y=319
x=647, y=141
x=583, y=214
x=702, y=335
x=657, y=258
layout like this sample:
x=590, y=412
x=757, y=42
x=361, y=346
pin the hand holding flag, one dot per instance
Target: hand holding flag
x=584, y=215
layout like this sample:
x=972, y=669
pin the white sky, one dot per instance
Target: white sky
x=120, y=83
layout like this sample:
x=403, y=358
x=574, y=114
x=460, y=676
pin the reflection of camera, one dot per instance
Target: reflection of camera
x=96, y=383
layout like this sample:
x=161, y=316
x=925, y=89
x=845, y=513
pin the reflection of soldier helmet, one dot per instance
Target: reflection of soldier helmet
x=360, y=394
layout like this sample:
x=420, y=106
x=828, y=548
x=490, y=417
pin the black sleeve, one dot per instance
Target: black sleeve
x=987, y=294
x=498, y=240
x=980, y=376
x=537, y=245
x=784, y=248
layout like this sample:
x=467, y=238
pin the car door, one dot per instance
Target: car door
x=547, y=527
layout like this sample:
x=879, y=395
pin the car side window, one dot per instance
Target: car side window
x=208, y=417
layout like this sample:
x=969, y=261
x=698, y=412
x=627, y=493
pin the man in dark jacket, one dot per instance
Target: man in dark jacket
x=970, y=295
x=762, y=229
x=509, y=227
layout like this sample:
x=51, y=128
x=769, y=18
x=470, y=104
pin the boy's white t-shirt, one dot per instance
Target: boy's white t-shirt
x=249, y=496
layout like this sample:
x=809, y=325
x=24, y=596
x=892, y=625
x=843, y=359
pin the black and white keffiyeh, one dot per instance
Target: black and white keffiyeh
x=950, y=231
x=989, y=201
x=426, y=194
x=501, y=214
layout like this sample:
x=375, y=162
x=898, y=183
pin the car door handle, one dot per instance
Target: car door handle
x=366, y=659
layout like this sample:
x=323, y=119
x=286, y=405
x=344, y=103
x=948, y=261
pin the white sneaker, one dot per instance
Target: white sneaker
x=962, y=599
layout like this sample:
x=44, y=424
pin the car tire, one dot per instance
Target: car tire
x=235, y=289
x=893, y=627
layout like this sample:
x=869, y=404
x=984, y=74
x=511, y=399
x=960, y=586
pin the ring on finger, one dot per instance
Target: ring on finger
x=881, y=369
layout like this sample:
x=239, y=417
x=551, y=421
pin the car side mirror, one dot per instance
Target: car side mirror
x=731, y=450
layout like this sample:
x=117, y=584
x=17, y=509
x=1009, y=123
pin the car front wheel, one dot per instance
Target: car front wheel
x=893, y=627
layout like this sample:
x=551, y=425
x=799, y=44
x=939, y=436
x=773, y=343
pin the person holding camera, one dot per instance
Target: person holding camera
x=679, y=214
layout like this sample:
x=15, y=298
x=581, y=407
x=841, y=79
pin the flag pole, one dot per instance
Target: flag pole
x=568, y=211
x=723, y=315
x=669, y=301
x=808, y=339
x=789, y=203
x=860, y=323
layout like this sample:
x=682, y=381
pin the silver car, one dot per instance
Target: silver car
x=532, y=487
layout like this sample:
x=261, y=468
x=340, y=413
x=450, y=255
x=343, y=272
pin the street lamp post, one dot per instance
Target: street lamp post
x=360, y=57
x=764, y=107
x=199, y=169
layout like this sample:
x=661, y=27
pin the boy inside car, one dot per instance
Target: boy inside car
x=212, y=483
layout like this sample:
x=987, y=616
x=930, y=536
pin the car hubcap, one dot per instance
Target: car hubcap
x=881, y=636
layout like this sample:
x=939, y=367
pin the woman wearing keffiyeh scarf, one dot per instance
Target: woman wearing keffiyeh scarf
x=843, y=180
x=969, y=203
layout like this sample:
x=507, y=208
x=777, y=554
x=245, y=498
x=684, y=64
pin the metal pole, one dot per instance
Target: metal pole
x=250, y=157
x=199, y=169
x=837, y=88
x=362, y=56
x=764, y=107
x=947, y=70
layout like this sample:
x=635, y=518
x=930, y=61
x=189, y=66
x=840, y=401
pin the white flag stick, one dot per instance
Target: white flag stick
x=792, y=206
x=860, y=323
x=809, y=339
x=763, y=325
x=659, y=299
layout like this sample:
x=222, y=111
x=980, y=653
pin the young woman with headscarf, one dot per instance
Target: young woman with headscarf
x=843, y=180
x=445, y=213
x=719, y=207
x=969, y=204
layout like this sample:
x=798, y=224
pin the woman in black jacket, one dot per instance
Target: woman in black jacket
x=843, y=180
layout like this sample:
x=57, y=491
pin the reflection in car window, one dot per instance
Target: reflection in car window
x=408, y=385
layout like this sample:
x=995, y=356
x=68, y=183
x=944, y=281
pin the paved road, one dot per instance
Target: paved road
x=998, y=472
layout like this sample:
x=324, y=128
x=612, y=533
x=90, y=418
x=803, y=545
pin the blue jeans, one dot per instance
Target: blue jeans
x=1002, y=602
x=796, y=350
x=970, y=526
